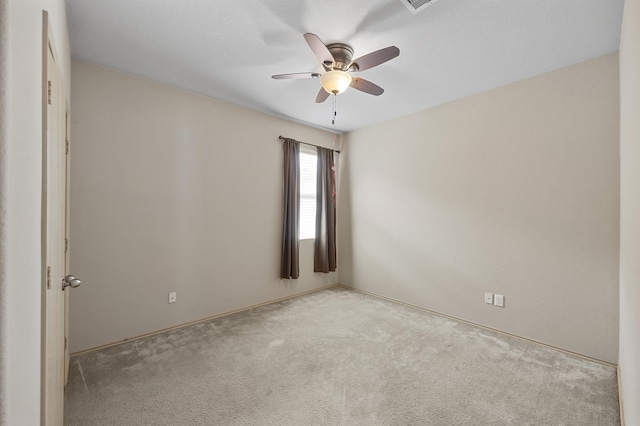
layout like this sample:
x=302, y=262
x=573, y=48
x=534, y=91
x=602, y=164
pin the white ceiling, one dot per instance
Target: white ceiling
x=229, y=49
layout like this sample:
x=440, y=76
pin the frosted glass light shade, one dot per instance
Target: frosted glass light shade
x=335, y=81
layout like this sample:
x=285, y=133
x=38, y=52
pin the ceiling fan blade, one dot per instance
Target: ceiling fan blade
x=320, y=50
x=296, y=75
x=322, y=96
x=375, y=58
x=366, y=86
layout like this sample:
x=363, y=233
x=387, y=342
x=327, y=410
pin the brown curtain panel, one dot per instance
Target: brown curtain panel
x=324, y=259
x=289, y=265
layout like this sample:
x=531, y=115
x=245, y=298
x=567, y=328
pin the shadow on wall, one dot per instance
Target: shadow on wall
x=344, y=219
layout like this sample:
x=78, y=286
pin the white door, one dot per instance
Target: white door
x=54, y=229
x=67, y=356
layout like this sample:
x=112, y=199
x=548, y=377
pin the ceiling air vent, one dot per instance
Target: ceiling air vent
x=416, y=6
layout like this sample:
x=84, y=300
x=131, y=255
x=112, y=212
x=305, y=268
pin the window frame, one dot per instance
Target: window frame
x=307, y=194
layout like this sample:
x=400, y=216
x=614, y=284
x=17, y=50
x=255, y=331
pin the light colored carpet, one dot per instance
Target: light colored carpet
x=337, y=357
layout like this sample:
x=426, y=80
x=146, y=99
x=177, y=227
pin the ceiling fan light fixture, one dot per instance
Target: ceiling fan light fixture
x=335, y=81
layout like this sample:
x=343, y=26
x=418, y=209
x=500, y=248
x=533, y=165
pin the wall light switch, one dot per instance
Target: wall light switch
x=488, y=298
x=172, y=297
x=499, y=300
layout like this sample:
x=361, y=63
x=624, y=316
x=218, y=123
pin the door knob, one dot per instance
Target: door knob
x=70, y=281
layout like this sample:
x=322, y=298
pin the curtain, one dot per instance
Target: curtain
x=324, y=259
x=289, y=264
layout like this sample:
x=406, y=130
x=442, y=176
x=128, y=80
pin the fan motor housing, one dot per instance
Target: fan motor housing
x=342, y=54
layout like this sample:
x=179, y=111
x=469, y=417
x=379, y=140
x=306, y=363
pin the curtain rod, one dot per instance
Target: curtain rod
x=307, y=143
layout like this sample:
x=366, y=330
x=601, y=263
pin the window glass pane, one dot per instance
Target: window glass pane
x=308, y=165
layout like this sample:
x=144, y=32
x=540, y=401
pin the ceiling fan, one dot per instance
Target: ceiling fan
x=336, y=59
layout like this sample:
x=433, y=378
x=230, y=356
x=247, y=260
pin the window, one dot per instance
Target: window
x=308, y=166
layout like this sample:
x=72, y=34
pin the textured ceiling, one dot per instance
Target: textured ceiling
x=452, y=49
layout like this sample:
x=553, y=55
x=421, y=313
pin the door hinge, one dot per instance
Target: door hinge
x=49, y=90
x=66, y=245
x=48, y=276
x=66, y=147
x=65, y=343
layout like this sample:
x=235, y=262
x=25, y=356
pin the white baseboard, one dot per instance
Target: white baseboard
x=617, y=367
x=153, y=333
x=620, y=404
x=576, y=354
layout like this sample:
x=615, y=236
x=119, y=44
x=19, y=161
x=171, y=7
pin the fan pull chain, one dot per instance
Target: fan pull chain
x=333, y=116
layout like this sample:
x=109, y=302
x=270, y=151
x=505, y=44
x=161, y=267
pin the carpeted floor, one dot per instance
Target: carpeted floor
x=337, y=357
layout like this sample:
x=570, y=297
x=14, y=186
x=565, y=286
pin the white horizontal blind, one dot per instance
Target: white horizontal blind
x=308, y=167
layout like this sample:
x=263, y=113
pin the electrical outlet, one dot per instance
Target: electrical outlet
x=488, y=298
x=499, y=300
x=172, y=297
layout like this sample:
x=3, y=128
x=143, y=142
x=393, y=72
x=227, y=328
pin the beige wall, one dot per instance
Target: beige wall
x=630, y=211
x=513, y=191
x=173, y=191
x=20, y=196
